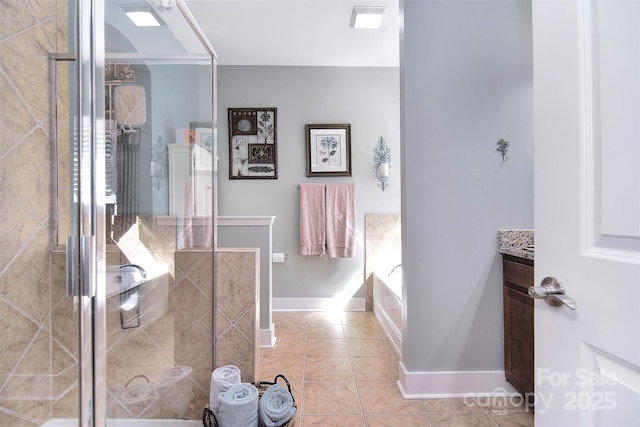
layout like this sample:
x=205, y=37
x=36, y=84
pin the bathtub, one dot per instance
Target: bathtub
x=387, y=306
x=128, y=423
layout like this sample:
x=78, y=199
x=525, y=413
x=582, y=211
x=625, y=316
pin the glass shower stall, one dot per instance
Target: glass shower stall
x=133, y=218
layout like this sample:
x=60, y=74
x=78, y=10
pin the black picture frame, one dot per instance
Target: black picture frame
x=253, y=143
x=328, y=149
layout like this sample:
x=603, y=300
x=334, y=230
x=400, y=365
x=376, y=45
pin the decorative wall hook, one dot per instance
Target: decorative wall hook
x=503, y=148
x=382, y=160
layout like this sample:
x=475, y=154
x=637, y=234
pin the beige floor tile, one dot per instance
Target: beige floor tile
x=297, y=388
x=510, y=403
x=291, y=330
x=325, y=331
x=292, y=368
x=286, y=347
x=363, y=331
x=384, y=397
x=374, y=368
x=512, y=418
x=327, y=348
x=325, y=318
x=328, y=369
x=330, y=398
x=297, y=421
x=333, y=421
x=397, y=420
x=289, y=316
x=359, y=317
x=368, y=348
x=459, y=419
x=451, y=405
x=343, y=373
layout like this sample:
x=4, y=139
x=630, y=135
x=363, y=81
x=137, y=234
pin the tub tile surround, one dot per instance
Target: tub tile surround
x=518, y=243
x=383, y=241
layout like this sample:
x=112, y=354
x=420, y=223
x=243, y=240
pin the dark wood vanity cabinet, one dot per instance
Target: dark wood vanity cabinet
x=518, y=323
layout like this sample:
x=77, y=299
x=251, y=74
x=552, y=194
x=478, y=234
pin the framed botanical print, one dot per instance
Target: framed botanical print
x=204, y=138
x=253, y=145
x=328, y=150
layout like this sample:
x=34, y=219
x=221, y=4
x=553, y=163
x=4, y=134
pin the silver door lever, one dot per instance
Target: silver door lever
x=552, y=291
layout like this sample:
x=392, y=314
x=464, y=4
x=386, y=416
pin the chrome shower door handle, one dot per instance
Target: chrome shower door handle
x=552, y=291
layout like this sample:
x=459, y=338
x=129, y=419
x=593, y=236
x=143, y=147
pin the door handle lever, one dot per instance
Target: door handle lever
x=552, y=291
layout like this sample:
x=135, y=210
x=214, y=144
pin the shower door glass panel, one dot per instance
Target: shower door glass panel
x=159, y=243
x=159, y=166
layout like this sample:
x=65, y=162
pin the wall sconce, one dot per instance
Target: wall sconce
x=382, y=161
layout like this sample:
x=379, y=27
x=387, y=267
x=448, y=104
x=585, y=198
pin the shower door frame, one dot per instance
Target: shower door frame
x=86, y=275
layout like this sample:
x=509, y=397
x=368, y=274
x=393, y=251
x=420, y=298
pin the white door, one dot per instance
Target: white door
x=587, y=210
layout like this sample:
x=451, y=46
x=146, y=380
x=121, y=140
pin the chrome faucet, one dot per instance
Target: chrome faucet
x=131, y=275
x=394, y=269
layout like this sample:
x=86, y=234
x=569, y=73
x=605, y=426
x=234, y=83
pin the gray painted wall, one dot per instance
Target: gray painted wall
x=466, y=83
x=369, y=99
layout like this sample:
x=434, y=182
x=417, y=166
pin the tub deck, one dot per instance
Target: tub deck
x=387, y=307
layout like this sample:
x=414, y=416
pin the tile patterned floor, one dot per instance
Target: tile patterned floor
x=343, y=373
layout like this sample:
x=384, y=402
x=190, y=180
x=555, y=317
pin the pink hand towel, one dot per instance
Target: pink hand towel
x=312, y=219
x=341, y=220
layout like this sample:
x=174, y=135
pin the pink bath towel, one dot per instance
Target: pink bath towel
x=312, y=219
x=341, y=220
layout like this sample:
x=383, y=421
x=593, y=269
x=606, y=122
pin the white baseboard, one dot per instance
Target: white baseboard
x=268, y=337
x=317, y=304
x=421, y=385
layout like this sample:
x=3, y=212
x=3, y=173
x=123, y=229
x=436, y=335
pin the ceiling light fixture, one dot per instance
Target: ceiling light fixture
x=367, y=16
x=142, y=15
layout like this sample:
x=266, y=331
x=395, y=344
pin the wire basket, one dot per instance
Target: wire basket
x=264, y=385
x=209, y=417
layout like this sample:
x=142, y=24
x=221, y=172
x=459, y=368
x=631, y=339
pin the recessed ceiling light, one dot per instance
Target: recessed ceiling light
x=367, y=16
x=142, y=15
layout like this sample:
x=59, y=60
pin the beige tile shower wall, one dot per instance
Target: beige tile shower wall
x=175, y=334
x=192, y=303
x=383, y=248
x=32, y=382
x=236, y=310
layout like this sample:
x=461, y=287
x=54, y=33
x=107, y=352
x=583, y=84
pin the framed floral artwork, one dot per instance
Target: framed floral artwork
x=204, y=138
x=328, y=150
x=253, y=145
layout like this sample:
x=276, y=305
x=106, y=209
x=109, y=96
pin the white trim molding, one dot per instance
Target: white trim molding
x=421, y=385
x=246, y=220
x=268, y=337
x=318, y=304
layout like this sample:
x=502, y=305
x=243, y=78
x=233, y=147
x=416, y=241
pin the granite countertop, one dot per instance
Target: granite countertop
x=518, y=243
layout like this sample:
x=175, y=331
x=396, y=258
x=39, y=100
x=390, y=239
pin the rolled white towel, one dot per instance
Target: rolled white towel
x=138, y=398
x=275, y=407
x=221, y=379
x=239, y=406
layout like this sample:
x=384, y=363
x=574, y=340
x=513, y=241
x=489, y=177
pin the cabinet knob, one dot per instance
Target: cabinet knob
x=552, y=291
